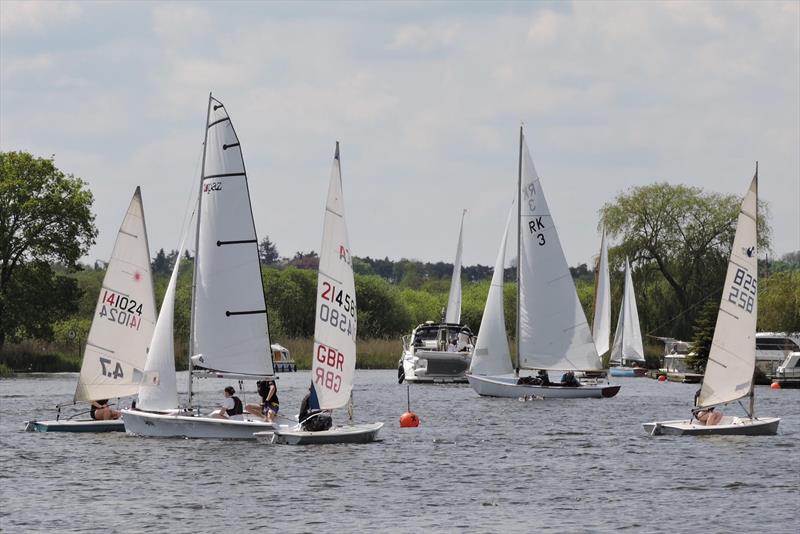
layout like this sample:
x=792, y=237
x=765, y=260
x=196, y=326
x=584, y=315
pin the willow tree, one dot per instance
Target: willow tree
x=679, y=238
x=45, y=219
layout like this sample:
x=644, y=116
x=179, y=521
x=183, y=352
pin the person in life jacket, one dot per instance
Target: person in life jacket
x=268, y=391
x=231, y=405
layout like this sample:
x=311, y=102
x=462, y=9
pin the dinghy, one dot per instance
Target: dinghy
x=429, y=355
x=334, y=357
x=229, y=330
x=732, y=358
x=628, y=338
x=122, y=327
x=552, y=332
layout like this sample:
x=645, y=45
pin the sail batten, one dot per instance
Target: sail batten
x=124, y=318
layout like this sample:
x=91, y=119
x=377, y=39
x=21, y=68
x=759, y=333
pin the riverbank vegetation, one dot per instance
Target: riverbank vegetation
x=677, y=238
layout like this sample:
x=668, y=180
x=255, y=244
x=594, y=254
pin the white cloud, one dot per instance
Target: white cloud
x=20, y=16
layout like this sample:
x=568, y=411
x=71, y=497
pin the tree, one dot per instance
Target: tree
x=704, y=327
x=45, y=218
x=268, y=251
x=779, y=302
x=160, y=264
x=679, y=235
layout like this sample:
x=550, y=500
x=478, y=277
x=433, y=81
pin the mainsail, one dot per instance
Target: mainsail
x=553, y=332
x=334, y=357
x=229, y=313
x=731, y=361
x=628, y=338
x=491, y=355
x=124, y=317
x=601, y=325
x=453, y=314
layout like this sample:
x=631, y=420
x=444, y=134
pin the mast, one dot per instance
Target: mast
x=196, y=249
x=752, y=383
x=519, y=240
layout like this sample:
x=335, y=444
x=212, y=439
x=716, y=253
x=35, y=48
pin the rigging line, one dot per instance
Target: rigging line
x=189, y=210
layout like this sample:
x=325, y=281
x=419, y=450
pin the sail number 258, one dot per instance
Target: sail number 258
x=743, y=290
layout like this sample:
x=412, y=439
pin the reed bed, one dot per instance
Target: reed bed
x=371, y=353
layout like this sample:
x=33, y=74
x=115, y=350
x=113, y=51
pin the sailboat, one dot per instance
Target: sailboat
x=122, y=327
x=732, y=358
x=229, y=328
x=552, y=332
x=601, y=325
x=429, y=355
x=628, y=338
x=335, y=327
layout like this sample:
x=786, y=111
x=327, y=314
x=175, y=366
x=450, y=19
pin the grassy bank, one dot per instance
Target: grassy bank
x=31, y=357
x=372, y=353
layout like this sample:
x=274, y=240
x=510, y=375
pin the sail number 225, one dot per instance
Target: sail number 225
x=743, y=290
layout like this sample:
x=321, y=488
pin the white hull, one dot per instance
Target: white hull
x=424, y=366
x=729, y=426
x=339, y=434
x=190, y=426
x=506, y=386
x=75, y=425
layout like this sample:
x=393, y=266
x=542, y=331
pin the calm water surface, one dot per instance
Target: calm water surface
x=475, y=464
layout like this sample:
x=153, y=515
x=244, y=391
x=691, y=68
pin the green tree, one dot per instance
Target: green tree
x=268, y=251
x=680, y=236
x=380, y=311
x=45, y=218
x=779, y=302
x=704, y=326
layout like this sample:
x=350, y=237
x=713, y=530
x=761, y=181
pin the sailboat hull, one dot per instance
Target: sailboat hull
x=729, y=426
x=188, y=426
x=340, y=434
x=506, y=386
x=627, y=371
x=75, y=425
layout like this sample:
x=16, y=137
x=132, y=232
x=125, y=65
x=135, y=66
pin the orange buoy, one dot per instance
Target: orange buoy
x=775, y=385
x=409, y=420
x=662, y=378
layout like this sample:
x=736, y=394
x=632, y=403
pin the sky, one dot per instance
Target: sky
x=426, y=99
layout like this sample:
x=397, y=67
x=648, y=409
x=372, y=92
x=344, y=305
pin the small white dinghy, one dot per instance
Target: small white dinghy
x=552, y=332
x=336, y=322
x=628, y=344
x=230, y=334
x=732, y=359
x=122, y=327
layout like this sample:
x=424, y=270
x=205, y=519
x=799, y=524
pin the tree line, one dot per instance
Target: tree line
x=678, y=239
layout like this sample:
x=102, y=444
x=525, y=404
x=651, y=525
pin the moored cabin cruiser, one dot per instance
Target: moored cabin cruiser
x=438, y=353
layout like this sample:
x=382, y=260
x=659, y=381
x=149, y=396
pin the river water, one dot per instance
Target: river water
x=475, y=464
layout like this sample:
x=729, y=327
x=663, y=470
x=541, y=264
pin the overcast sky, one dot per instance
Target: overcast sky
x=426, y=99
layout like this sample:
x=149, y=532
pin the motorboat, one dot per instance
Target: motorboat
x=430, y=356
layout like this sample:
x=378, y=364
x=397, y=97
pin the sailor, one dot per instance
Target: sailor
x=453, y=346
x=544, y=378
x=568, y=379
x=268, y=391
x=101, y=411
x=231, y=405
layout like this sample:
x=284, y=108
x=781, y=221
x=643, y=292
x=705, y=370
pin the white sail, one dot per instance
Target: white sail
x=229, y=313
x=553, y=332
x=601, y=325
x=491, y=355
x=124, y=317
x=628, y=337
x=453, y=314
x=158, y=391
x=731, y=361
x=334, y=357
